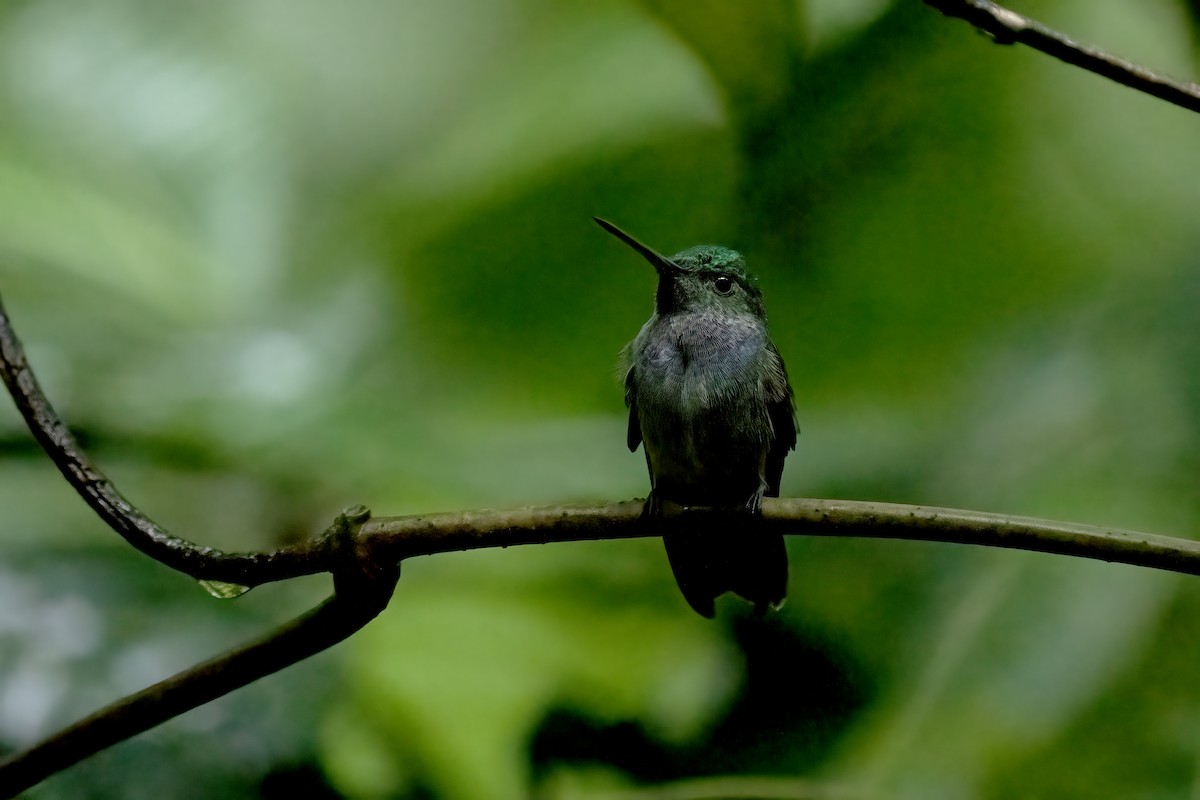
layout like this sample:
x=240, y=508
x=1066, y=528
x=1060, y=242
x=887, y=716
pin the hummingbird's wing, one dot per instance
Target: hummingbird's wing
x=781, y=409
x=633, y=435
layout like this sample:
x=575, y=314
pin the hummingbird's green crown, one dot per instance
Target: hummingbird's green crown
x=706, y=258
x=709, y=259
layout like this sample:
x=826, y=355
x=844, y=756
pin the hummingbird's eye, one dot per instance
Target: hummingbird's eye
x=723, y=284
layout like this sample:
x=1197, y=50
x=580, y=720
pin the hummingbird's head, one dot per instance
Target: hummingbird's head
x=701, y=278
x=710, y=277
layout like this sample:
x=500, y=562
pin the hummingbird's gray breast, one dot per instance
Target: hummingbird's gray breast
x=700, y=383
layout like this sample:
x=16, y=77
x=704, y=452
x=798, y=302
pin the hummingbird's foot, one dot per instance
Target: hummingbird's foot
x=653, y=507
x=754, y=503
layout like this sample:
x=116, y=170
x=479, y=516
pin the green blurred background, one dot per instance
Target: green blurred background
x=275, y=258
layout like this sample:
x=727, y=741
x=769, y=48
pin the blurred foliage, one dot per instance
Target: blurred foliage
x=272, y=259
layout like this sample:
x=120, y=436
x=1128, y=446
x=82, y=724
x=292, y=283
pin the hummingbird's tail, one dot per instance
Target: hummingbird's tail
x=718, y=556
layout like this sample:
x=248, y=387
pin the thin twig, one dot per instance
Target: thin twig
x=1009, y=27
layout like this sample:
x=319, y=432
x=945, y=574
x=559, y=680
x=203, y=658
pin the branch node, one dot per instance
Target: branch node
x=360, y=571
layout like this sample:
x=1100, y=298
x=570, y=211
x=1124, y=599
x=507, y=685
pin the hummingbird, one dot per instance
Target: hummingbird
x=710, y=404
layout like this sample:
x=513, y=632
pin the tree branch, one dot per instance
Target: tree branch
x=1009, y=27
x=336, y=619
x=204, y=563
x=404, y=537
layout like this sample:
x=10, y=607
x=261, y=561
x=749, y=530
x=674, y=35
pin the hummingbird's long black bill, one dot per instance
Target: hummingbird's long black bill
x=662, y=265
